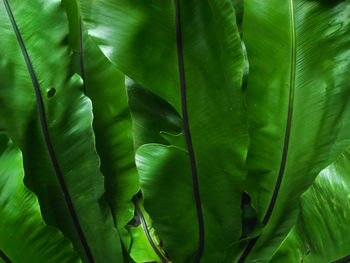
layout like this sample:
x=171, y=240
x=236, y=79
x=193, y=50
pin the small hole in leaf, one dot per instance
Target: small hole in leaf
x=51, y=93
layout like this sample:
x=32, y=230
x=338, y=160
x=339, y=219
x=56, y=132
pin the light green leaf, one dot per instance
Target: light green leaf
x=145, y=244
x=322, y=233
x=24, y=236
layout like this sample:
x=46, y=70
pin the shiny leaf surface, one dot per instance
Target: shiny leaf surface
x=322, y=233
x=298, y=105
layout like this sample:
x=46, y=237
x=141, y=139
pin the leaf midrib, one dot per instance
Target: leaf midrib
x=81, y=55
x=287, y=133
x=187, y=133
x=342, y=260
x=148, y=235
x=47, y=139
x=4, y=257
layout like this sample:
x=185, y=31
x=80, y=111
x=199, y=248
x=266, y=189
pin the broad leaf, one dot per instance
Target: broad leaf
x=24, y=236
x=298, y=103
x=322, y=233
x=50, y=119
x=147, y=42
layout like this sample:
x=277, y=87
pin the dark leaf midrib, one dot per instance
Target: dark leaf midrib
x=4, y=257
x=45, y=131
x=342, y=260
x=148, y=235
x=186, y=128
x=81, y=54
x=272, y=203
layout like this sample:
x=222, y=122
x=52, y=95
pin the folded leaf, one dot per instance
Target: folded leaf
x=298, y=103
x=50, y=119
x=24, y=236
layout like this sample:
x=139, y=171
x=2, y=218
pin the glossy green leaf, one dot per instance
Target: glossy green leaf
x=24, y=236
x=140, y=39
x=298, y=103
x=50, y=119
x=322, y=233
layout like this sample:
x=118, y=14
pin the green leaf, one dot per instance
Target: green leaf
x=50, y=119
x=140, y=39
x=24, y=236
x=104, y=84
x=322, y=233
x=298, y=104
x=71, y=8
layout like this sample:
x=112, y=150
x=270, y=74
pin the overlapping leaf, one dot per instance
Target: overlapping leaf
x=140, y=39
